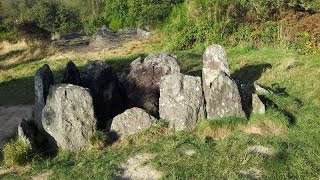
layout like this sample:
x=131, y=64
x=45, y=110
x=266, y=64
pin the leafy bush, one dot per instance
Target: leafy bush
x=53, y=17
x=132, y=13
x=16, y=153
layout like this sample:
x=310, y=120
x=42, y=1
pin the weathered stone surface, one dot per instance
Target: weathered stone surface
x=71, y=74
x=221, y=92
x=214, y=61
x=141, y=82
x=42, y=82
x=223, y=98
x=105, y=89
x=141, y=33
x=181, y=101
x=104, y=38
x=261, y=90
x=257, y=105
x=69, y=116
x=27, y=133
x=132, y=121
x=251, y=101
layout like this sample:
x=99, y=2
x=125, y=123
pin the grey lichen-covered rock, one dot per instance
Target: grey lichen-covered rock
x=142, y=80
x=221, y=92
x=132, y=121
x=104, y=38
x=257, y=105
x=42, y=82
x=105, y=89
x=27, y=133
x=214, y=61
x=181, y=101
x=69, y=116
x=143, y=34
x=223, y=98
x=71, y=74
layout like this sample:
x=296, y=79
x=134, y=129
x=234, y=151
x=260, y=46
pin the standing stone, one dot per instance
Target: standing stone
x=105, y=89
x=223, y=98
x=42, y=82
x=257, y=105
x=221, y=92
x=27, y=133
x=142, y=81
x=69, y=116
x=71, y=74
x=181, y=101
x=214, y=61
x=132, y=121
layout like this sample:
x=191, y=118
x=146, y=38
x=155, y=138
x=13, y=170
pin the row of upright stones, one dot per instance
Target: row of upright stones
x=151, y=88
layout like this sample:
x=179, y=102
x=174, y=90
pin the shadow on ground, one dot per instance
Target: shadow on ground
x=250, y=73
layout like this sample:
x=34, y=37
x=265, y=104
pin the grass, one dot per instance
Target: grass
x=290, y=125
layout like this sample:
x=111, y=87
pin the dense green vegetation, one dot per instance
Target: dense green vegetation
x=189, y=22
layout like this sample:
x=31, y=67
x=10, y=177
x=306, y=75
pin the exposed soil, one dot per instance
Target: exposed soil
x=136, y=169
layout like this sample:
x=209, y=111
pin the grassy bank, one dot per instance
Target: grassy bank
x=290, y=126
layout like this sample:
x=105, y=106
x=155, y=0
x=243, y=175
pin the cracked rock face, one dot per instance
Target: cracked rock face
x=221, y=92
x=70, y=120
x=181, y=101
x=132, y=121
x=142, y=80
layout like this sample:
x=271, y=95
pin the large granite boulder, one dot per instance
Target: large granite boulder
x=42, y=82
x=69, y=116
x=221, y=92
x=132, y=121
x=142, y=80
x=181, y=101
x=105, y=89
x=71, y=74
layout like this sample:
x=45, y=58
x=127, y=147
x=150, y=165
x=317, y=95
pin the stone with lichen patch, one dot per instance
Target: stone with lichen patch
x=181, y=101
x=221, y=92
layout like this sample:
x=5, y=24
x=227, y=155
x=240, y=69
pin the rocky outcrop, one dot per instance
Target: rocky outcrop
x=42, y=82
x=181, y=101
x=143, y=34
x=142, y=80
x=221, y=92
x=132, y=121
x=104, y=38
x=105, y=89
x=69, y=116
x=71, y=74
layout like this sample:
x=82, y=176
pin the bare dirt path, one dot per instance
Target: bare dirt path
x=10, y=118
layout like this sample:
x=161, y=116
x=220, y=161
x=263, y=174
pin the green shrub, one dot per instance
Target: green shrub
x=16, y=153
x=53, y=17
